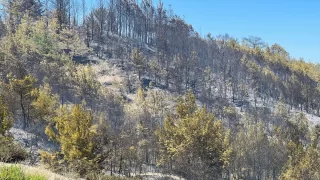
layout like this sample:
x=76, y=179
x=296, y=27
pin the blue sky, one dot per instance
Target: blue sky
x=294, y=24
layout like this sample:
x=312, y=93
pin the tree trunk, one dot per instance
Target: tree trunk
x=24, y=123
x=111, y=168
x=120, y=165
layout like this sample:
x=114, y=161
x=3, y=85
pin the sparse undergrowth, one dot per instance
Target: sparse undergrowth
x=10, y=151
x=94, y=176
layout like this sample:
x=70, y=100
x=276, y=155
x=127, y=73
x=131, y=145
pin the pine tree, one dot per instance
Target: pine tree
x=305, y=162
x=139, y=62
x=23, y=88
x=17, y=9
x=87, y=87
x=45, y=104
x=195, y=140
x=74, y=132
x=6, y=120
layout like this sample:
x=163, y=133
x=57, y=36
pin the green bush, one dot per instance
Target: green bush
x=16, y=173
x=35, y=177
x=12, y=172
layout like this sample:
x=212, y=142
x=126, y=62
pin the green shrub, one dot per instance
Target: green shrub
x=12, y=172
x=16, y=173
x=35, y=177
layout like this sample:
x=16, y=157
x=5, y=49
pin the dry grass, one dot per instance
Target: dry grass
x=109, y=75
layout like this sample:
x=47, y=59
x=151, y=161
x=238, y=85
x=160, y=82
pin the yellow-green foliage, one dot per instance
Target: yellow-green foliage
x=36, y=48
x=187, y=105
x=73, y=131
x=45, y=103
x=50, y=160
x=192, y=133
x=16, y=173
x=88, y=86
x=195, y=134
x=140, y=95
x=69, y=39
x=5, y=119
x=23, y=86
x=139, y=61
x=304, y=165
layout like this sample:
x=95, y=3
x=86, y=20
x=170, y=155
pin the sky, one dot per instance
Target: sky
x=294, y=24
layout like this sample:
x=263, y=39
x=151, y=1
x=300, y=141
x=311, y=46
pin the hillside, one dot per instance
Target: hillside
x=130, y=90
